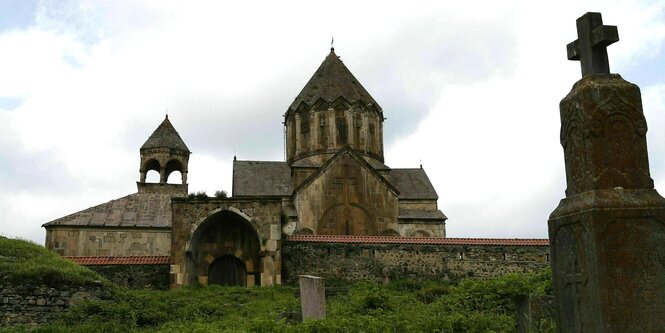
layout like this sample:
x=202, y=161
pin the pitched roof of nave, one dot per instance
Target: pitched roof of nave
x=268, y=178
x=165, y=136
x=134, y=210
x=331, y=81
x=412, y=184
x=259, y=178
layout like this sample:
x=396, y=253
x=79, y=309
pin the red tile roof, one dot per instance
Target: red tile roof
x=417, y=240
x=138, y=260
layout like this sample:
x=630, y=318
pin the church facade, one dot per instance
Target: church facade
x=333, y=182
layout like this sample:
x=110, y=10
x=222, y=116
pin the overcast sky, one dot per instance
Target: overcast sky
x=469, y=88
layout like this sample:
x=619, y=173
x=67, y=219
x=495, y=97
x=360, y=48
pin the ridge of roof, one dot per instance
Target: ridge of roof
x=165, y=136
x=331, y=81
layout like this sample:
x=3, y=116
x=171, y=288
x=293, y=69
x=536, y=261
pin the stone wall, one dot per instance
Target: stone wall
x=357, y=261
x=347, y=198
x=30, y=305
x=100, y=241
x=136, y=276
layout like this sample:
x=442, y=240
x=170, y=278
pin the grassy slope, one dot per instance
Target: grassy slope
x=25, y=262
x=403, y=306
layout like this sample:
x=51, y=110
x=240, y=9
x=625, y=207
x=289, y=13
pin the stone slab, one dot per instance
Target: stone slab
x=312, y=297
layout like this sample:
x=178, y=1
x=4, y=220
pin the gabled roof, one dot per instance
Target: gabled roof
x=412, y=184
x=331, y=81
x=261, y=178
x=165, y=136
x=350, y=151
x=134, y=210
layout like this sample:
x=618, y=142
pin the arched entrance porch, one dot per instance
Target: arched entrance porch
x=224, y=250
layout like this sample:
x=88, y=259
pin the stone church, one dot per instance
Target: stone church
x=333, y=182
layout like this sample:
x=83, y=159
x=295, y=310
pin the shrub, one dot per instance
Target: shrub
x=198, y=195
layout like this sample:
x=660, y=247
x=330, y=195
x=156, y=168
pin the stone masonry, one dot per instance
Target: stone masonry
x=340, y=259
x=31, y=305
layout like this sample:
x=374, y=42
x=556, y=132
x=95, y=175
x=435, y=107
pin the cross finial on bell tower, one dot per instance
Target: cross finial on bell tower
x=590, y=47
x=332, y=41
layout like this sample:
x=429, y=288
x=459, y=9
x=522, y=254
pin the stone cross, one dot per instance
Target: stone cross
x=590, y=47
x=606, y=235
x=312, y=297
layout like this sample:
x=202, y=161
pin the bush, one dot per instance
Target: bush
x=198, y=195
x=469, y=306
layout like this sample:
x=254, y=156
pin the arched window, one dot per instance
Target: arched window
x=152, y=176
x=175, y=177
x=171, y=167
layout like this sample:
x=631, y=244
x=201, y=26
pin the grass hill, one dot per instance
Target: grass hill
x=25, y=262
x=471, y=305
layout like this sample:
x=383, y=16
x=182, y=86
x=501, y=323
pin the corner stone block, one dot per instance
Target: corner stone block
x=251, y=281
x=275, y=232
x=271, y=245
x=175, y=269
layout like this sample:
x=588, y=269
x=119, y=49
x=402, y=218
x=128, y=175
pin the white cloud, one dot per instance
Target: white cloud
x=473, y=93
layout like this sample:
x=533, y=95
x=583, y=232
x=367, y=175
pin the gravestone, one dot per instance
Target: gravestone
x=607, y=237
x=312, y=297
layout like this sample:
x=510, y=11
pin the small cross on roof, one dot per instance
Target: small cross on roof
x=590, y=47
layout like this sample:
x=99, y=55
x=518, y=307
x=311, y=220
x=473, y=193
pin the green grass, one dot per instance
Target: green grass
x=402, y=306
x=471, y=305
x=25, y=262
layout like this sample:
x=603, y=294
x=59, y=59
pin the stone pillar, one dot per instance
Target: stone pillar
x=312, y=297
x=298, y=139
x=607, y=237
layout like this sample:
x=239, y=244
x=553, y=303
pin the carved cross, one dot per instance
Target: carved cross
x=576, y=280
x=590, y=47
x=345, y=181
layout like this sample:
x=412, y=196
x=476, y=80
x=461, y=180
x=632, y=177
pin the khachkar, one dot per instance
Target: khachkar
x=607, y=236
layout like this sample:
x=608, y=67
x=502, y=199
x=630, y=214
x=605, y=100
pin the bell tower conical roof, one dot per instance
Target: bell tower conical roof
x=165, y=136
x=331, y=81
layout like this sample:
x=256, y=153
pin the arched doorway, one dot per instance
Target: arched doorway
x=227, y=270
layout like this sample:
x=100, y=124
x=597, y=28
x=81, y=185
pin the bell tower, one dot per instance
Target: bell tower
x=164, y=152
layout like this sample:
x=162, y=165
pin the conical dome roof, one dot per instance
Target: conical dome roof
x=165, y=136
x=331, y=81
